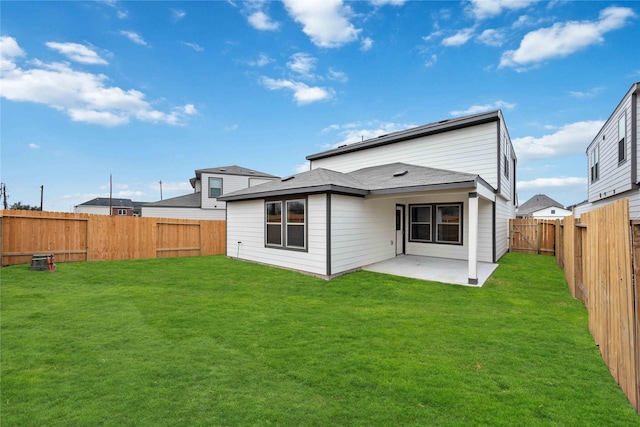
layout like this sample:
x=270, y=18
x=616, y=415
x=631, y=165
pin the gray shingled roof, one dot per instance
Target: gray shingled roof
x=105, y=201
x=234, y=170
x=536, y=203
x=187, y=201
x=428, y=129
x=389, y=178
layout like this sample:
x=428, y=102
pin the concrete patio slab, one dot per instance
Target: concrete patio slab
x=442, y=270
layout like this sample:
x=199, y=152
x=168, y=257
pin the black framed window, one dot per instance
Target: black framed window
x=594, y=163
x=622, y=133
x=286, y=228
x=420, y=223
x=436, y=223
x=215, y=187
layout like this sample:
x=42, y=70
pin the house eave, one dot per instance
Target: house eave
x=335, y=189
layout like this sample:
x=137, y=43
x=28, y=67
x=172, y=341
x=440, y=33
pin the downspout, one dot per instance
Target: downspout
x=634, y=137
x=328, y=233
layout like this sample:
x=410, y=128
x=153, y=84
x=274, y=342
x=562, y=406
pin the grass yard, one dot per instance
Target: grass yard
x=211, y=341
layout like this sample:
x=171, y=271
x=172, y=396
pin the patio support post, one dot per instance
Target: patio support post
x=473, y=238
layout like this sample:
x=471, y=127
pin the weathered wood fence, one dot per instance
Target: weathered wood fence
x=84, y=237
x=533, y=236
x=601, y=259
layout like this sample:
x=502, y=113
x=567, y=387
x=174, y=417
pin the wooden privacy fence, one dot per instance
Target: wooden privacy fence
x=533, y=236
x=83, y=237
x=601, y=260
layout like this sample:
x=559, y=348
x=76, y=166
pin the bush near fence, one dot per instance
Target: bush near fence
x=600, y=254
x=85, y=237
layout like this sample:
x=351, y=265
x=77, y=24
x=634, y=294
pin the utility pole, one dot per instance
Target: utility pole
x=41, y=196
x=160, y=189
x=3, y=192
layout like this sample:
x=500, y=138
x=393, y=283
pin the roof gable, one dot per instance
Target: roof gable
x=536, y=203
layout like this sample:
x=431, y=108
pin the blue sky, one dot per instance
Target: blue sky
x=150, y=91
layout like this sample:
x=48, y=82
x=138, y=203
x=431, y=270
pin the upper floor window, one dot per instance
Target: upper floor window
x=506, y=166
x=215, y=187
x=622, y=132
x=594, y=163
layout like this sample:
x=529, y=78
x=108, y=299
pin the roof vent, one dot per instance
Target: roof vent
x=382, y=136
x=401, y=173
x=288, y=178
x=341, y=146
x=222, y=169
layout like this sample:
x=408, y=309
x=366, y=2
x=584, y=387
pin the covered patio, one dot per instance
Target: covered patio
x=434, y=269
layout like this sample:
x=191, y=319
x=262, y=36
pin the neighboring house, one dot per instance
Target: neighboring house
x=101, y=205
x=541, y=206
x=205, y=204
x=446, y=189
x=614, y=170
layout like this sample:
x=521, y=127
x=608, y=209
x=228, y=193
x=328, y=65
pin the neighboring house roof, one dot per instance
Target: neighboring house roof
x=234, y=170
x=536, y=203
x=191, y=200
x=416, y=132
x=106, y=201
x=389, y=178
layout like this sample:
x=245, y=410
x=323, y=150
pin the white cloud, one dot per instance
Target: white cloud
x=432, y=36
x=491, y=38
x=546, y=183
x=482, y=9
x=77, y=52
x=562, y=39
x=178, y=14
x=586, y=94
x=84, y=97
x=302, y=167
x=353, y=132
x=34, y=146
x=367, y=43
x=458, y=39
x=326, y=22
x=231, y=128
x=475, y=109
x=431, y=61
x=261, y=21
x=302, y=93
x=122, y=14
x=194, y=46
x=337, y=75
x=134, y=37
x=570, y=139
x=262, y=60
x=302, y=64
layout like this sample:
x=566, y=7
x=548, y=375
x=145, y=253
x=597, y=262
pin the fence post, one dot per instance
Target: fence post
x=635, y=256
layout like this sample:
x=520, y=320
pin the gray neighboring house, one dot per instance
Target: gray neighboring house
x=208, y=186
x=542, y=206
x=613, y=166
x=100, y=206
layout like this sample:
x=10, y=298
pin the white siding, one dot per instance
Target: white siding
x=485, y=230
x=185, y=213
x=362, y=232
x=504, y=211
x=245, y=223
x=551, y=213
x=470, y=150
x=614, y=177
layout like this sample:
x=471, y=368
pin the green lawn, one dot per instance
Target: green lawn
x=215, y=342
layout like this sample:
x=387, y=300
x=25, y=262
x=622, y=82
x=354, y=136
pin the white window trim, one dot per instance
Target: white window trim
x=209, y=186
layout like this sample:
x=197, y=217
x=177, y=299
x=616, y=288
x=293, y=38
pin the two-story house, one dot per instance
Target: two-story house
x=445, y=189
x=208, y=186
x=613, y=167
